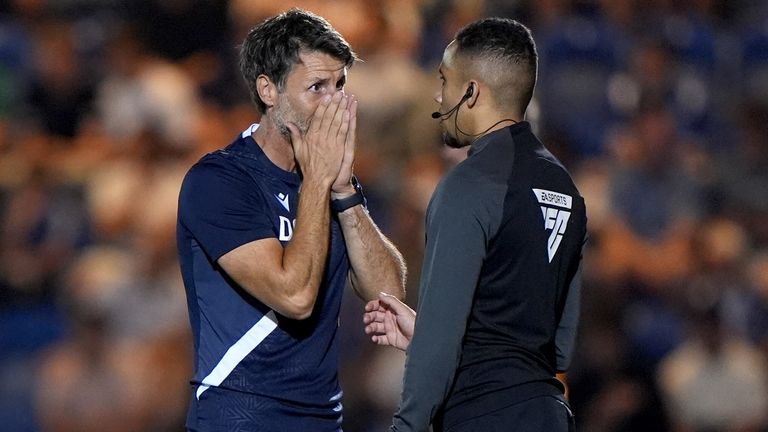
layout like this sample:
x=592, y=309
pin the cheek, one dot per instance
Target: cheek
x=306, y=104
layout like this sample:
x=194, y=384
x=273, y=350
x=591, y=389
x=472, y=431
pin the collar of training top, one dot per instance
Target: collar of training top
x=500, y=134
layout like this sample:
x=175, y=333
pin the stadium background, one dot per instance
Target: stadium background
x=659, y=108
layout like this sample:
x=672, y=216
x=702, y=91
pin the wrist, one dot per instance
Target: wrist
x=344, y=192
x=341, y=201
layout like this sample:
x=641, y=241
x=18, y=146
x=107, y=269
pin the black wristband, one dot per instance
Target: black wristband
x=339, y=205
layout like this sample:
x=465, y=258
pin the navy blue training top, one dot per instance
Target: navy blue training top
x=231, y=197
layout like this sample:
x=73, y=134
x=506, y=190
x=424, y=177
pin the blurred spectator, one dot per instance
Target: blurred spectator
x=143, y=93
x=743, y=173
x=107, y=371
x=655, y=201
x=177, y=29
x=714, y=381
x=59, y=95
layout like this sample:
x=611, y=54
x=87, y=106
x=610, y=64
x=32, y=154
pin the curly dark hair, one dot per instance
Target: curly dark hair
x=273, y=47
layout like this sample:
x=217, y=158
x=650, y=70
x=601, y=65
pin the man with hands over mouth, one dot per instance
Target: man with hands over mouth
x=270, y=228
x=500, y=284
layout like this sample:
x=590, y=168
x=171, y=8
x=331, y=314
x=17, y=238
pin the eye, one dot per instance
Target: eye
x=316, y=87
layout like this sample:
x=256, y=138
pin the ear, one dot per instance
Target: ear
x=473, y=90
x=267, y=90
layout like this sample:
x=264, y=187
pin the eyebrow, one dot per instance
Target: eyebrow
x=315, y=79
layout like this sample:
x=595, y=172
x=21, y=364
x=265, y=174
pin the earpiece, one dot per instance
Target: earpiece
x=467, y=95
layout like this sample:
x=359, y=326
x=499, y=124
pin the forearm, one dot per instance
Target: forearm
x=303, y=261
x=376, y=264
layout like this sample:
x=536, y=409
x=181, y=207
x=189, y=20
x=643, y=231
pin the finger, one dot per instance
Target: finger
x=372, y=305
x=370, y=317
x=380, y=340
x=341, y=135
x=375, y=328
x=338, y=119
x=393, y=303
x=330, y=115
x=317, y=117
x=351, y=141
x=377, y=316
x=296, y=140
x=348, y=130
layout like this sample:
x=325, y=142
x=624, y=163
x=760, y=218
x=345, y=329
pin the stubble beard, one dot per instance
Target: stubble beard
x=451, y=140
x=284, y=113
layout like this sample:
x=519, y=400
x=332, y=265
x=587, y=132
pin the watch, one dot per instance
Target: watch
x=339, y=205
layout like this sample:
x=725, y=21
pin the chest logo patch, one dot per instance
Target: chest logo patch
x=555, y=208
x=283, y=200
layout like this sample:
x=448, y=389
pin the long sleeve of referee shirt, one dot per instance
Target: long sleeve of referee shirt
x=457, y=237
x=569, y=321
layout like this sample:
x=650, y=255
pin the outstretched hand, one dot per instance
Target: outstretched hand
x=389, y=321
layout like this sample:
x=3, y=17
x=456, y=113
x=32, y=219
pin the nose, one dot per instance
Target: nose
x=439, y=97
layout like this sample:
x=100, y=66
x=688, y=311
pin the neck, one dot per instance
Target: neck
x=500, y=123
x=492, y=121
x=486, y=116
x=275, y=145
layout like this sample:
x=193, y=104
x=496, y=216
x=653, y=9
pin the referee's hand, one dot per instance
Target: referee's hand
x=389, y=321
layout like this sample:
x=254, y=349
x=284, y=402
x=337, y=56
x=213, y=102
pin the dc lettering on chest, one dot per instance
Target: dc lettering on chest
x=286, y=228
x=553, y=210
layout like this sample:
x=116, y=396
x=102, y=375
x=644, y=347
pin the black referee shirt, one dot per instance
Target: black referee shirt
x=500, y=284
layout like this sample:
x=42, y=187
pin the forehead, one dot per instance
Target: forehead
x=317, y=65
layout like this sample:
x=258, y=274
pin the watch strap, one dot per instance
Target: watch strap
x=341, y=204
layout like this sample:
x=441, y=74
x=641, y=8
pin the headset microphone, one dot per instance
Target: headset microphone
x=467, y=95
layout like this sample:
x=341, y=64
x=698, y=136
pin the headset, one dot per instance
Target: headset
x=468, y=94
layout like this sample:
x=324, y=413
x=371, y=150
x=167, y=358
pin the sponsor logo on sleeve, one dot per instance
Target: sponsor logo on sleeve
x=555, y=208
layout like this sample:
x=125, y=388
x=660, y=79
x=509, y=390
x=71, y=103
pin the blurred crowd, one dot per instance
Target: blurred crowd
x=659, y=108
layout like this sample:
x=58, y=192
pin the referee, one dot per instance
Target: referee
x=499, y=295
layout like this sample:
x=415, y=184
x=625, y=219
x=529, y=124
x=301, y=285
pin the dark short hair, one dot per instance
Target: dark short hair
x=509, y=43
x=273, y=47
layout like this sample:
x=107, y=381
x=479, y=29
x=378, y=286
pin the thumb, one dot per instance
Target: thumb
x=296, y=140
x=393, y=303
